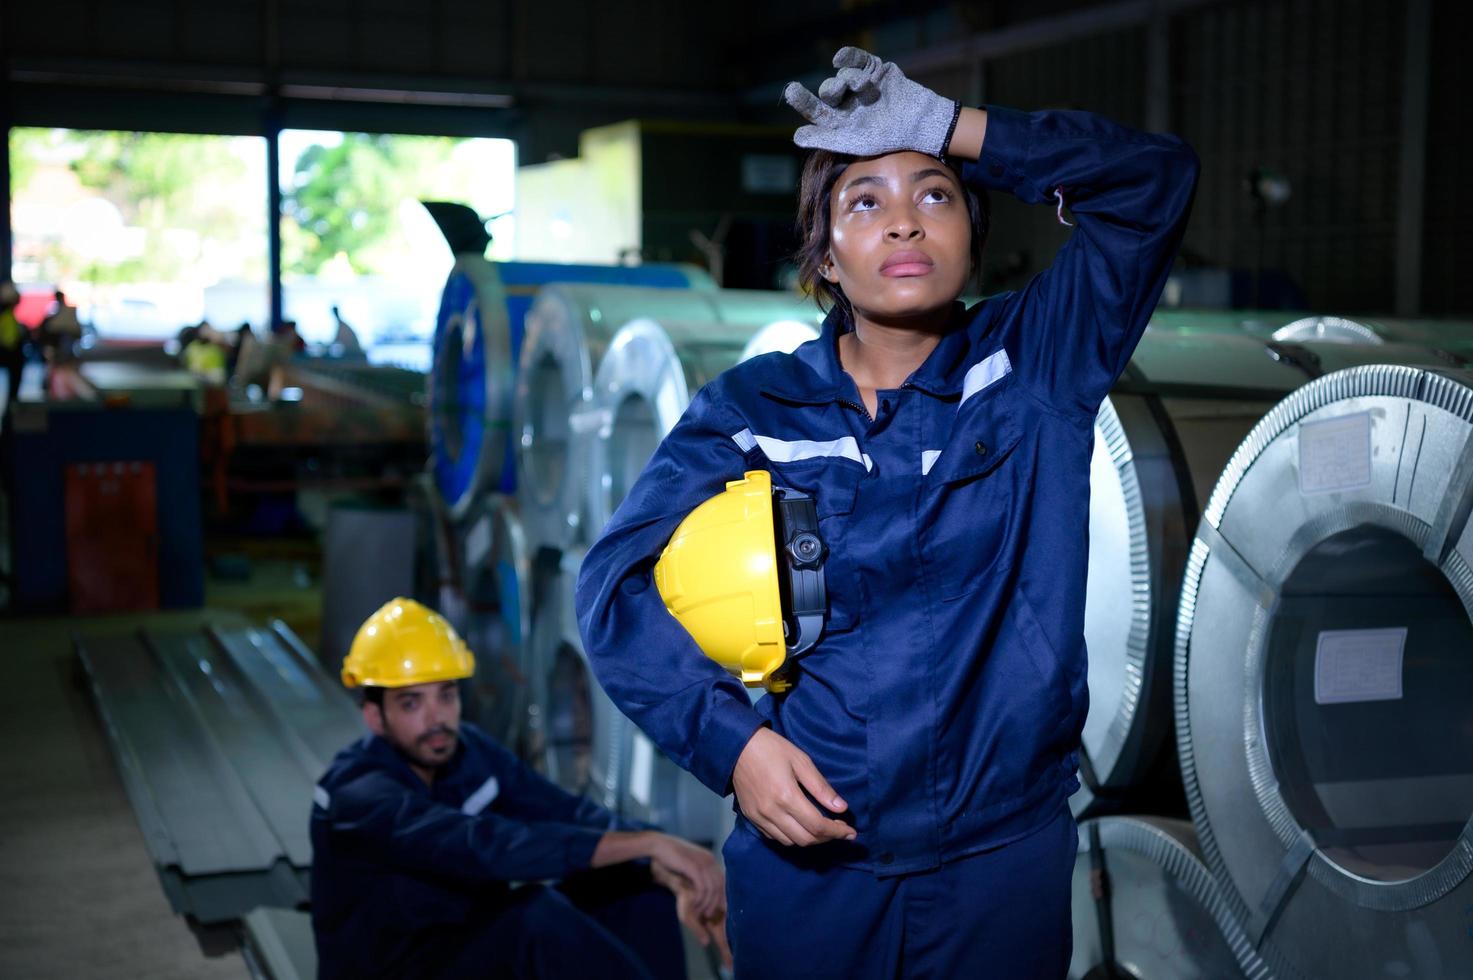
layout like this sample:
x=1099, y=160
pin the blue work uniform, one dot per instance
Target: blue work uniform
x=947, y=694
x=410, y=880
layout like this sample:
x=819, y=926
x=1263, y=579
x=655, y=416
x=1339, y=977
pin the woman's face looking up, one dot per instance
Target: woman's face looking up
x=900, y=236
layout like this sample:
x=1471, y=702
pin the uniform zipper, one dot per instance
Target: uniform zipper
x=864, y=411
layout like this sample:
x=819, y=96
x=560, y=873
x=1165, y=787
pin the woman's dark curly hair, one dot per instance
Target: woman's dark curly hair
x=820, y=172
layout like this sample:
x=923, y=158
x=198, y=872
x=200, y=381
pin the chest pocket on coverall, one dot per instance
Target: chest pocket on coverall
x=968, y=505
x=833, y=483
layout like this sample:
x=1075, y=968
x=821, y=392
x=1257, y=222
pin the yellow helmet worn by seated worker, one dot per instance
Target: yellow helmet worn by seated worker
x=743, y=573
x=405, y=643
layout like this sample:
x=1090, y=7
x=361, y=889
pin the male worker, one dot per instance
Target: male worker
x=421, y=830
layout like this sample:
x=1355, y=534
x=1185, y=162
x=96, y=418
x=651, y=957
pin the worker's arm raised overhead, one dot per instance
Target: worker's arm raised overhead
x=1075, y=325
x=695, y=711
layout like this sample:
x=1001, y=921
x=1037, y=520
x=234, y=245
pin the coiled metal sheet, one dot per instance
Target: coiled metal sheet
x=584, y=737
x=1161, y=439
x=645, y=381
x=477, y=344
x=568, y=330
x=1324, y=676
x=1159, y=907
x=492, y=610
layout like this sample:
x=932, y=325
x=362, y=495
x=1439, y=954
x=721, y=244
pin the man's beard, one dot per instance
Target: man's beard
x=423, y=755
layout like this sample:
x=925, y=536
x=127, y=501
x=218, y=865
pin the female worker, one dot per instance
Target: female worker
x=902, y=809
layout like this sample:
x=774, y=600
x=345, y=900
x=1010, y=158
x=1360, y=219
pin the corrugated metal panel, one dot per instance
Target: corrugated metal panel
x=219, y=737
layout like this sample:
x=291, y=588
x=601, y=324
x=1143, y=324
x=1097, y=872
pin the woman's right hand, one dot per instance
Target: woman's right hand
x=868, y=108
x=770, y=778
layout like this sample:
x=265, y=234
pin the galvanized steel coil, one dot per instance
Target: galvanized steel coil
x=470, y=384
x=495, y=615
x=1145, y=903
x=568, y=330
x=1162, y=437
x=477, y=344
x=1324, y=676
x=584, y=738
x=644, y=382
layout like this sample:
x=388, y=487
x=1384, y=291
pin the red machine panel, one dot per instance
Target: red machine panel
x=112, y=540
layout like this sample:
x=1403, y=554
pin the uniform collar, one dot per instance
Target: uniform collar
x=821, y=378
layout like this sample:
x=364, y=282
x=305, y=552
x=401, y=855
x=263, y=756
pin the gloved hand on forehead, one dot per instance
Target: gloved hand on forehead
x=869, y=107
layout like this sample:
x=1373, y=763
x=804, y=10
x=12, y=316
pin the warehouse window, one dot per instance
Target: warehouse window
x=354, y=234
x=144, y=232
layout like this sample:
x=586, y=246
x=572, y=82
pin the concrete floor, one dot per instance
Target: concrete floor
x=78, y=893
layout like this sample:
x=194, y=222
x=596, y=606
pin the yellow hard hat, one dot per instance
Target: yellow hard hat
x=405, y=643
x=743, y=573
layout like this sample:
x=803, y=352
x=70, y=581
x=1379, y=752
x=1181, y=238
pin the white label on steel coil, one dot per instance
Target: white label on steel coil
x=1358, y=665
x=478, y=542
x=591, y=420
x=641, y=770
x=1335, y=454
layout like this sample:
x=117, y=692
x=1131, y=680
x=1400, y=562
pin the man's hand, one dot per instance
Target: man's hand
x=707, y=928
x=695, y=866
x=770, y=777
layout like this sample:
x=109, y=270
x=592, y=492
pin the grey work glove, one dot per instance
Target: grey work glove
x=869, y=107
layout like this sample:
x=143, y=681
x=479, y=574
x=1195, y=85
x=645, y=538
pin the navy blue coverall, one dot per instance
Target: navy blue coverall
x=946, y=696
x=410, y=880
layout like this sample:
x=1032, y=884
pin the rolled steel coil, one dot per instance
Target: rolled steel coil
x=568, y=330
x=477, y=342
x=495, y=576
x=642, y=387
x=646, y=378
x=584, y=738
x=1162, y=437
x=1145, y=905
x=1324, y=676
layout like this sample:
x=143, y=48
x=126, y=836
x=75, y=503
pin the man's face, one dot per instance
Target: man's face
x=422, y=721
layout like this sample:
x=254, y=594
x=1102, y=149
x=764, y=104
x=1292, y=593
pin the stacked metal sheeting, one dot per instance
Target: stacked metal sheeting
x=220, y=737
x=569, y=328
x=279, y=944
x=1324, y=676
x=1146, y=906
x=1162, y=437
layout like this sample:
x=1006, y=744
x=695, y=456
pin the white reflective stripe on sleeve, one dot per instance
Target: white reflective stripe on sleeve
x=783, y=451
x=928, y=460
x=320, y=797
x=990, y=370
x=481, y=798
